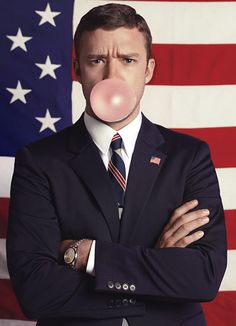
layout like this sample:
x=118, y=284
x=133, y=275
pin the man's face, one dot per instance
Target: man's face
x=120, y=53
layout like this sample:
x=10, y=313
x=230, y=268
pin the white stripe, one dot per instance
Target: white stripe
x=229, y=280
x=3, y=263
x=6, y=171
x=190, y=106
x=10, y=322
x=78, y=101
x=180, y=106
x=180, y=22
x=227, y=181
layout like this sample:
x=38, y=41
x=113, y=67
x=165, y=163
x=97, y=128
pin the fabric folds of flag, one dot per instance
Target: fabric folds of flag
x=193, y=91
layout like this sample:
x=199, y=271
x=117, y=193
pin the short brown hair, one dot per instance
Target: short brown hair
x=110, y=17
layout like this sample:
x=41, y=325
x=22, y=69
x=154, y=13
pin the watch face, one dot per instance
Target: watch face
x=69, y=255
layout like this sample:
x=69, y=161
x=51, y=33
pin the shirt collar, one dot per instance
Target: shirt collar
x=102, y=134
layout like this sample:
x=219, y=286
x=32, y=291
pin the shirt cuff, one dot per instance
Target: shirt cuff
x=90, y=268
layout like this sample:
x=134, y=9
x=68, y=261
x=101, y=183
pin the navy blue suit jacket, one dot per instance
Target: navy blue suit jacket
x=61, y=190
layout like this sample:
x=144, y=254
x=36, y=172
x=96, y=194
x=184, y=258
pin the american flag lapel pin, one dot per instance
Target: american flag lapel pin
x=155, y=160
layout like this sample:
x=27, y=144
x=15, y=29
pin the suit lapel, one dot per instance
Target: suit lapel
x=142, y=176
x=89, y=167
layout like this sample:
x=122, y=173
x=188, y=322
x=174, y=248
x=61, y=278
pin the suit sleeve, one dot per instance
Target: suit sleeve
x=172, y=274
x=44, y=286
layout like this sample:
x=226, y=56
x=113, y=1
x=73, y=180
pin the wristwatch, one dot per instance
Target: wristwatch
x=71, y=254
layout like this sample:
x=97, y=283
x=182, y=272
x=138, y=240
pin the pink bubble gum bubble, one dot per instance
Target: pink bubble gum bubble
x=112, y=100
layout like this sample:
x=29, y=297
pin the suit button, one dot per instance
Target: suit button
x=132, y=287
x=125, y=302
x=117, y=285
x=110, y=303
x=110, y=285
x=118, y=303
x=125, y=286
x=132, y=301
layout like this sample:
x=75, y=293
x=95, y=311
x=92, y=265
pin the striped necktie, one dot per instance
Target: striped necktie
x=116, y=168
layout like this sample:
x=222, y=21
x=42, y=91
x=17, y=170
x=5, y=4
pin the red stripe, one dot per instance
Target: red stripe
x=194, y=64
x=221, y=311
x=4, y=205
x=117, y=175
x=115, y=137
x=221, y=141
x=9, y=307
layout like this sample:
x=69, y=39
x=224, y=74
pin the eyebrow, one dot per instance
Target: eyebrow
x=129, y=55
x=91, y=56
x=123, y=55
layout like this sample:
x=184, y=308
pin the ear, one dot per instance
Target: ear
x=77, y=70
x=149, y=70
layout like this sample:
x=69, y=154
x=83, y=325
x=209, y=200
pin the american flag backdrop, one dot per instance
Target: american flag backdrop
x=193, y=91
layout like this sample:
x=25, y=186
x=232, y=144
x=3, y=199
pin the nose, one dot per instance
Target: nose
x=111, y=70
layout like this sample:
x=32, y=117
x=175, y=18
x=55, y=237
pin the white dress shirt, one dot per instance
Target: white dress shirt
x=102, y=135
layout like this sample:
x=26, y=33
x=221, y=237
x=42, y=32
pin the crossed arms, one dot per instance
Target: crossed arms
x=179, y=232
x=183, y=265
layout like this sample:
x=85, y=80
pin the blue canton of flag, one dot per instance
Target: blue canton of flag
x=35, y=70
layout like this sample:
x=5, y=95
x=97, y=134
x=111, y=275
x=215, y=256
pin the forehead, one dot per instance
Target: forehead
x=122, y=38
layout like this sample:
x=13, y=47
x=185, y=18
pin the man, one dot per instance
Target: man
x=75, y=256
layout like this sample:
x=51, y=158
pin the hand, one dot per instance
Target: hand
x=83, y=251
x=182, y=222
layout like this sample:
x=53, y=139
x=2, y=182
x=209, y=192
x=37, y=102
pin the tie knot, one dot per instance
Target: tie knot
x=116, y=142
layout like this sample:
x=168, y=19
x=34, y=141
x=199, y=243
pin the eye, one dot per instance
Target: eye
x=128, y=60
x=96, y=61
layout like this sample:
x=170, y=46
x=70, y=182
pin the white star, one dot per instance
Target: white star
x=19, y=40
x=47, y=15
x=47, y=122
x=47, y=68
x=18, y=93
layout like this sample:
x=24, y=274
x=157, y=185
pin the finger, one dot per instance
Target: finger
x=178, y=212
x=183, y=231
x=190, y=217
x=187, y=228
x=185, y=219
x=183, y=209
x=186, y=241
